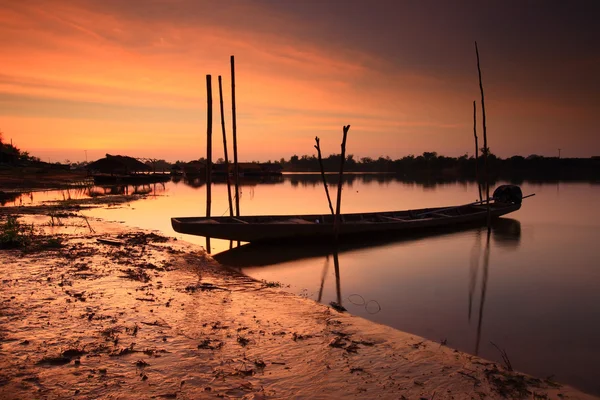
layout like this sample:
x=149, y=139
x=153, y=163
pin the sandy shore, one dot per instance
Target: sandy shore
x=152, y=317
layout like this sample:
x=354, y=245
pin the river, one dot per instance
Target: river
x=532, y=290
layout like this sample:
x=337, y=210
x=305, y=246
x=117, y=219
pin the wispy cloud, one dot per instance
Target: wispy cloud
x=302, y=71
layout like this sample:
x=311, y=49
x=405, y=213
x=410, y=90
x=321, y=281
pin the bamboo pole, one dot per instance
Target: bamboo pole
x=208, y=150
x=476, y=149
x=235, y=154
x=318, y=147
x=225, y=149
x=336, y=223
x=486, y=149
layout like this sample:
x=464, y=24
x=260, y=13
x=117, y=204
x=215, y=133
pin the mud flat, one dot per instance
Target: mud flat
x=129, y=314
x=37, y=178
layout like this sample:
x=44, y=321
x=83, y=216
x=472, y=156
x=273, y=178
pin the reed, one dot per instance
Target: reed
x=505, y=359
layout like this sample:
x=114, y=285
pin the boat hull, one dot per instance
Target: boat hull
x=320, y=227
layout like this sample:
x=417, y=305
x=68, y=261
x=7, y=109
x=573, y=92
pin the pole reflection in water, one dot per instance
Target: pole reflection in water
x=507, y=235
x=338, y=288
x=486, y=263
x=323, y=276
x=475, y=256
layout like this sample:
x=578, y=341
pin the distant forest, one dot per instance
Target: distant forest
x=430, y=165
x=427, y=166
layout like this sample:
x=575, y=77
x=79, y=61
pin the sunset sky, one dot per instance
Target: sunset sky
x=129, y=77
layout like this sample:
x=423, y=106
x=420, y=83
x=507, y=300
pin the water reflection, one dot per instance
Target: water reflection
x=32, y=198
x=505, y=232
x=356, y=181
x=8, y=197
x=484, y=283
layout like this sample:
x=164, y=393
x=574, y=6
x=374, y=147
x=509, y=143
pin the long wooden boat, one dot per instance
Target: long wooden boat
x=273, y=228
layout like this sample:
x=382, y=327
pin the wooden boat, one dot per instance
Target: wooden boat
x=273, y=228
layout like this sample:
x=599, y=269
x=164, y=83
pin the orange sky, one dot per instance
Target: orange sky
x=129, y=78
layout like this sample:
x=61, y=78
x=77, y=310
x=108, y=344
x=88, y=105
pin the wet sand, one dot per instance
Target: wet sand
x=145, y=316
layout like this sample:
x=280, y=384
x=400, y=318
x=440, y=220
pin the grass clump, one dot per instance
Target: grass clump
x=14, y=234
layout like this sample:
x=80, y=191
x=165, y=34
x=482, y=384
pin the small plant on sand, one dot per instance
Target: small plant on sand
x=271, y=284
x=14, y=234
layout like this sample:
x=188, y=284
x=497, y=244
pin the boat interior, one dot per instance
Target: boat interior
x=373, y=217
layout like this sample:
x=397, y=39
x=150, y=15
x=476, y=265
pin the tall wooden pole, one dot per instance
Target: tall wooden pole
x=225, y=148
x=486, y=149
x=235, y=154
x=476, y=149
x=336, y=223
x=208, y=149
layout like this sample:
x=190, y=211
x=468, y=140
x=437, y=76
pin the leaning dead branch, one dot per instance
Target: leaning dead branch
x=318, y=147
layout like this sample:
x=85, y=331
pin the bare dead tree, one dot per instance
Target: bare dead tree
x=318, y=147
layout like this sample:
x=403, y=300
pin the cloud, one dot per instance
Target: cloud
x=396, y=71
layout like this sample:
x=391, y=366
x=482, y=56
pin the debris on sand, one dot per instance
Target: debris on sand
x=204, y=286
x=337, y=307
x=211, y=344
x=59, y=360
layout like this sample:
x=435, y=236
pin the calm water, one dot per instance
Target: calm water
x=534, y=290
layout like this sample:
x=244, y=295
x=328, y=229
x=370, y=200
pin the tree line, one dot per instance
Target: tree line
x=433, y=165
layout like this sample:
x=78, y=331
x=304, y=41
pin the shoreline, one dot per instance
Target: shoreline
x=151, y=316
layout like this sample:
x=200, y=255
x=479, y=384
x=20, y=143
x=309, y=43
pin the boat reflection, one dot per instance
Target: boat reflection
x=505, y=232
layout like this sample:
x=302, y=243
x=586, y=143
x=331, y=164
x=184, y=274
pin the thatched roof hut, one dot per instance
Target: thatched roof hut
x=118, y=165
